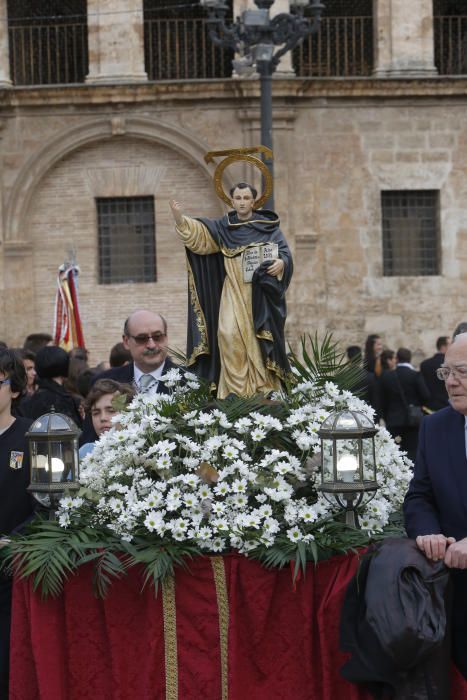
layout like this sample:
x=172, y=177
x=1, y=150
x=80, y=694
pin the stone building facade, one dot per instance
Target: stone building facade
x=339, y=144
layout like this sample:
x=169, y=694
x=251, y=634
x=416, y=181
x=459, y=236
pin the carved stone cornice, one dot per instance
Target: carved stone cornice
x=283, y=117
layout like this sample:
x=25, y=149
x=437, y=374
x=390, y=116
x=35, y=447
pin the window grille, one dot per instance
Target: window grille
x=48, y=41
x=344, y=44
x=450, y=35
x=411, y=232
x=177, y=45
x=126, y=235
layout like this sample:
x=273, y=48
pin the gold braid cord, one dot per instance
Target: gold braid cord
x=170, y=638
x=274, y=367
x=203, y=346
x=218, y=569
x=234, y=155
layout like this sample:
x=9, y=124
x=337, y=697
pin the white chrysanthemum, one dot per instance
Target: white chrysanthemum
x=258, y=434
x=308, y=514
x=243, y=425
x=64, y=519
x=222, y=488
x=230, y=452
x=294, y=534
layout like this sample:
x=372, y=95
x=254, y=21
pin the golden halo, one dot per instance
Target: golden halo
x=241, y=154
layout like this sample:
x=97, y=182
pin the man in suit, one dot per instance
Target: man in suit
x=397, y=390
x=145, y=336
x=438, y=394
x=435, y=506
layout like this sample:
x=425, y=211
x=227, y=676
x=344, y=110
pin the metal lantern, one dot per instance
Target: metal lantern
x=53, y=446
x=348, y=461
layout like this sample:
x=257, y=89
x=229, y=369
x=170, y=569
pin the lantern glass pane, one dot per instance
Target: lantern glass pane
x=61, y=461
x=346, y=421
x=369, y=467
x=39, y=463
x=327, y=457
x=58, y=422
x=41, y=425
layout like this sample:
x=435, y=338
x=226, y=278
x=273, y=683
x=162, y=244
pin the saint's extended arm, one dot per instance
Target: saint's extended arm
x=196, y=236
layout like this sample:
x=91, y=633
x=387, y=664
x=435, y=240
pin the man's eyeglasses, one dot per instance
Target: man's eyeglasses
x=4, y=381
x=444, y=372
x=145, y=338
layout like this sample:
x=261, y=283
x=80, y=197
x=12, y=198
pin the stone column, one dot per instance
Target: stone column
x=404, y=46
x=5, y=80
x=116, y=41
x=284, y=69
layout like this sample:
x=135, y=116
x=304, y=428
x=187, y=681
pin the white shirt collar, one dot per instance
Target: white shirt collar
x=156, y=373
x=405, y=364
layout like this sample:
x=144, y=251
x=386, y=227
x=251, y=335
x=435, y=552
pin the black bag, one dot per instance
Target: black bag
x=414, y=415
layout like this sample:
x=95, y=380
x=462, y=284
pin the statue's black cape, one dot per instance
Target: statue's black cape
x=206, y=275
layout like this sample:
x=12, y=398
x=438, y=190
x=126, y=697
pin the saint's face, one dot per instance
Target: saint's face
x=243, y=203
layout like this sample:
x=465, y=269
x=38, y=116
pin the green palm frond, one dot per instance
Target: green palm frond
x=325, y=362
x=236, y=407
x=158, y=558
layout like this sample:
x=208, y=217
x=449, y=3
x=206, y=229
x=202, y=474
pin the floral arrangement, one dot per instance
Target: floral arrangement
x=183, y=474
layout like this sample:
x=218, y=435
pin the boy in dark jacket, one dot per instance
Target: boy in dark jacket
x=16, y=504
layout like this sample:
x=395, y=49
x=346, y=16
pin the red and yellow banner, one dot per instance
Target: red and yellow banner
x=68, y=331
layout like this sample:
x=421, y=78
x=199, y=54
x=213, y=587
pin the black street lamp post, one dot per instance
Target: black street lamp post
x=254, y=36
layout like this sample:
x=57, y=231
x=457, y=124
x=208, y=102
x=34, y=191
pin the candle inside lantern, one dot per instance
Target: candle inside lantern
x=346, y=467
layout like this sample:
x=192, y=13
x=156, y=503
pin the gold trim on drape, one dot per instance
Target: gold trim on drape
x=203, y=346
x=170, y=638
x=218, y=569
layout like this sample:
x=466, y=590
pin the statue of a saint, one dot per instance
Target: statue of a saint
x=239, y=268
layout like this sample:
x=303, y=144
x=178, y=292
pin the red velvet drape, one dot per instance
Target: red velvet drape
x=281, y=644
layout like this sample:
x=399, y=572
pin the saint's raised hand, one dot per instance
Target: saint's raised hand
x=176, y=208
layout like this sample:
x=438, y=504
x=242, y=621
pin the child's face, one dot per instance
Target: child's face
x=102, y=413
x=6, y=394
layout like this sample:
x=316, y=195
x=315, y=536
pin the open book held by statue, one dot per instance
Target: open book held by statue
x=239, y=268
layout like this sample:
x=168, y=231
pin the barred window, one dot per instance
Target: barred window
x=411, y=232
x=126, y=235
x=48, y=41
x=177, y=45
x=344, y=44
x=450, y=36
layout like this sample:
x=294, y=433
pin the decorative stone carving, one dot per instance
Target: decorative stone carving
x=124, y=182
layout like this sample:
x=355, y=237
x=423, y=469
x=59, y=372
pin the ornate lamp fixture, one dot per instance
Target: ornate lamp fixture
x=254, y=37
x=348, y=461
x=53, y=445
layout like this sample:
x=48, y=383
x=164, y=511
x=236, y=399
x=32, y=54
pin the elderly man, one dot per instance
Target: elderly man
x=145, y=336
x=435, y=506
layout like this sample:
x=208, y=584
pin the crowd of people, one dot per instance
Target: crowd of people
x=399, y=393
x=390, y=383
x=40, y=377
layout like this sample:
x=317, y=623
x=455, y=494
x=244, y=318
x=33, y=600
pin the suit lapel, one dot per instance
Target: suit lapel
x=457, y=455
